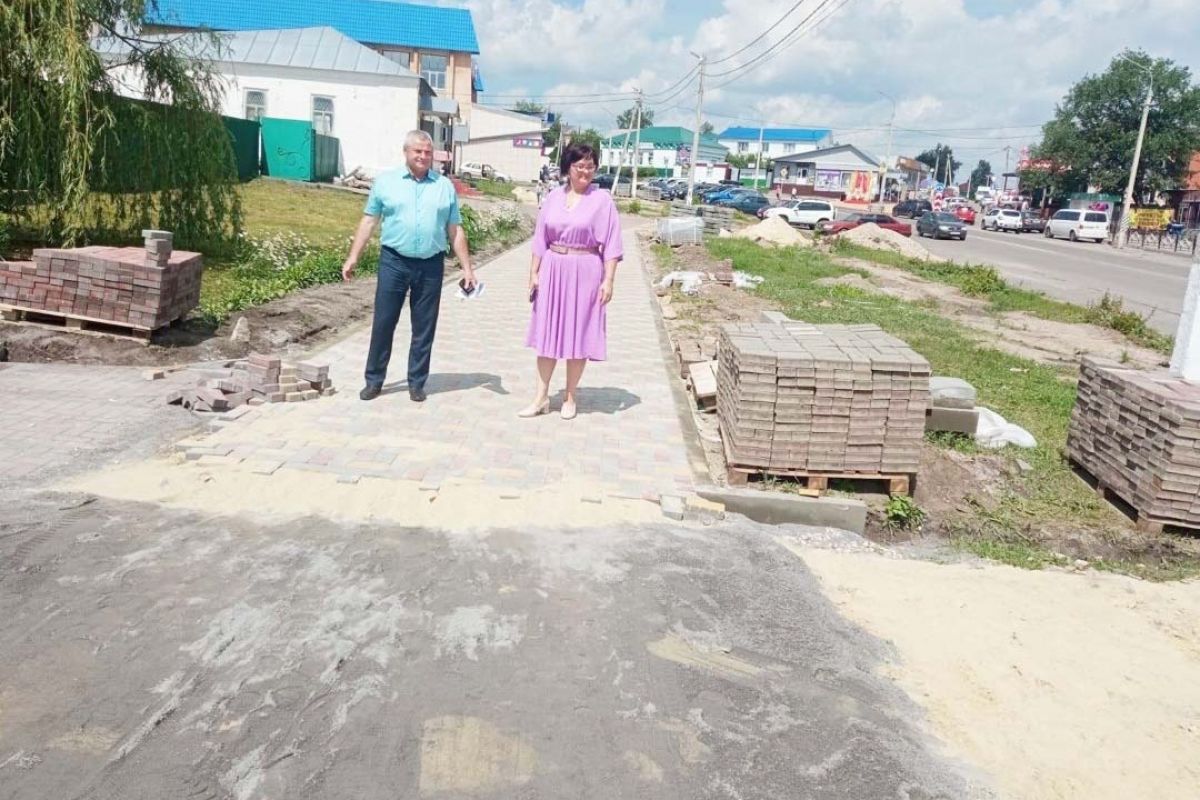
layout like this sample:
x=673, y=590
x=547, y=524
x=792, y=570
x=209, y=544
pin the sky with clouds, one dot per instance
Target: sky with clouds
x=977, y=74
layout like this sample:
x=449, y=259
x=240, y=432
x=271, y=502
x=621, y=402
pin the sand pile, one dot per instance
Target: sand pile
x=871, y=235
x=776, y=231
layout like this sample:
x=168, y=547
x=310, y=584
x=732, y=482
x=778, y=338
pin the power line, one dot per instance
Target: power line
x=687, y=77
x=759, y=38
x=786, y=40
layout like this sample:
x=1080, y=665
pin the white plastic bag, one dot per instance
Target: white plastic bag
x=994, y=432
x=689, y=281
x=744, y=280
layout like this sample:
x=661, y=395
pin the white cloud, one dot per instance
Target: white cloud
x=950, y=64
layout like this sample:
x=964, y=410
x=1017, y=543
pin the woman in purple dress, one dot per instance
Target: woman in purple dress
x=576, y=247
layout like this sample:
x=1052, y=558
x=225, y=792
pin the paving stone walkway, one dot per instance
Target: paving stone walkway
x=59, y=418
x=626, y=442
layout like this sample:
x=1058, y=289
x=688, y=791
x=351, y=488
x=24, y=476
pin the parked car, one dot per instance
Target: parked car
x=730, y=198
x=603, y=180
x=476, y=170
x=941, y=224
x=912, y=208
x=1002, y=219
x=749, y=203
x=1078, y=224
x=965, y=214
x=810, y=213
x=716, y=196
x=856, y=219
x=1032, y=222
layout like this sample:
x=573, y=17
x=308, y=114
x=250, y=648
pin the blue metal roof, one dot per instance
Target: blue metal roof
x=371, y=21
x=775, y=134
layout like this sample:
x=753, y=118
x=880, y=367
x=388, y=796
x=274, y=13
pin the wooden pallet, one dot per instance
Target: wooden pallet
x=1145, y=523
x=56, y=320
x=815, y=483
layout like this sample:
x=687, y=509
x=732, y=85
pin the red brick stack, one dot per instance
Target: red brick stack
x=143, y=288
x=258, y=379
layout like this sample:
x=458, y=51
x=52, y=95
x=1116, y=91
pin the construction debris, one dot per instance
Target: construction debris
x=355, y=179
x=267, y=379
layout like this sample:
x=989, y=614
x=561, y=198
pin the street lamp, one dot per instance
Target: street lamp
x=887, y=163
x=1127, y=201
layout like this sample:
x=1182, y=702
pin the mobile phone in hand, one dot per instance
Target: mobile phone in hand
x=533, y=294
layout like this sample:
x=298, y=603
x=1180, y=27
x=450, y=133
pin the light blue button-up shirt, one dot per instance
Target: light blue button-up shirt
x=414, y=213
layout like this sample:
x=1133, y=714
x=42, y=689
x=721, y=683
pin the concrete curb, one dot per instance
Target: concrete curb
x=771, y=508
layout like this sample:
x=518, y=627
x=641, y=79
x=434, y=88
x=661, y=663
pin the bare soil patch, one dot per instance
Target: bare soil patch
x=1041, y=340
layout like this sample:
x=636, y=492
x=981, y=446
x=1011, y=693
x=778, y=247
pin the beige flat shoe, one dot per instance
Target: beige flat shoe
x=568, y=411
x=535, y=410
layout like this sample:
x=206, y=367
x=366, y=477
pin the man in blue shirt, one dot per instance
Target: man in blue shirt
x=419, y=212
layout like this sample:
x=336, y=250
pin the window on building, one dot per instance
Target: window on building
x=789, y=147
x=433, y=70
x=322, y=115
x=256, y=104
x=743, y=147
x=401, y=57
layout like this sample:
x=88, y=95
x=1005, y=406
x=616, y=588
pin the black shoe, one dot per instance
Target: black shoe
x=416, y=395
x=369, y=392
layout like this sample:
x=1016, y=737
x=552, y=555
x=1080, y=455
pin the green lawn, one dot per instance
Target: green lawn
x=1036, y=397
x=272, y=206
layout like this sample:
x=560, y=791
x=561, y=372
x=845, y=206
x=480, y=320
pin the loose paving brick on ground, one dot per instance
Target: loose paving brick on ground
x=626, y=442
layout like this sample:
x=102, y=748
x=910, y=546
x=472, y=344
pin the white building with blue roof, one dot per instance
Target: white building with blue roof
x=776, y=142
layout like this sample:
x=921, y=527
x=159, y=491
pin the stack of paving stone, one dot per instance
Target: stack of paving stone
x=137, y=287
x=1138, y=433
x=810, y=399
x=258, y=379
x=714, y=217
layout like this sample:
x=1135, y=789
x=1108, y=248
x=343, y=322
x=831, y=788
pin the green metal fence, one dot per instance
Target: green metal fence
x=245, y=136
x=292, y=150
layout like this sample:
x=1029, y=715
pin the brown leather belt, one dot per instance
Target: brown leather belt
x=562, y=249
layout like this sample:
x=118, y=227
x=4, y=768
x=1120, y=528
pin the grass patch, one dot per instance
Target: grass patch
x=985, y=282
x=500, y=189
x=1034, y=396
x=298, y=236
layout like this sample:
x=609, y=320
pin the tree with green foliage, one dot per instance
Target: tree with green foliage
x=627, y=118
x=78, y=162
x=941, y=159
x=529, y=107
x=1091, y=139
x=707, y=127
x=981, y=174
x=588, y=136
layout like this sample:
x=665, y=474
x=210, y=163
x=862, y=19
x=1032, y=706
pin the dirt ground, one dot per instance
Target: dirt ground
x=1024, y=335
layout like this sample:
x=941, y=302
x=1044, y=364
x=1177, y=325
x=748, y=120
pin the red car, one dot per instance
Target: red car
x=966, y=214
x=854, y=220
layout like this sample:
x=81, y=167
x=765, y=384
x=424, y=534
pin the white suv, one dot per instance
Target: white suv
x=1002, y=219
x=1076, y=224
x=803, y=212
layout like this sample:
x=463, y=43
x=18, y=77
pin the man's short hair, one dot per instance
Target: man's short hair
x=412, y=137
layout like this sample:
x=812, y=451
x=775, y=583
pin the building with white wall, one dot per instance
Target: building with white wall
x=665, y=148
x=776, y=142
x=509, y=141
x=345, y=89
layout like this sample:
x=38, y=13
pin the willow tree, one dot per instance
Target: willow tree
x=106, y=128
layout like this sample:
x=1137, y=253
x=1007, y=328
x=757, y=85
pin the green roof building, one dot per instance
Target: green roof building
x=664, y=147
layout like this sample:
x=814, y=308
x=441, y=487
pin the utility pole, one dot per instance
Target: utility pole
x=696, y=133
x=637, y=146
x=888, y=162
x=758, y=158
x=1127, y=202
x=1007, y=152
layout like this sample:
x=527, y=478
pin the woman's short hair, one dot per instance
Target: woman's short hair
x=578, y=151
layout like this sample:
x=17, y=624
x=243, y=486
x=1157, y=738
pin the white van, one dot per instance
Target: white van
x=1076, y=224
x=803, y=212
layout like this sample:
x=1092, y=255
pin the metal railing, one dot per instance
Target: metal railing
x=1183, y=242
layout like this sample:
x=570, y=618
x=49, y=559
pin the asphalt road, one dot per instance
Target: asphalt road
x=1151, y=284
x=148, y=654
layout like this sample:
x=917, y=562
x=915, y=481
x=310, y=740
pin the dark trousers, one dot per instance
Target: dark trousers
x=420, y=279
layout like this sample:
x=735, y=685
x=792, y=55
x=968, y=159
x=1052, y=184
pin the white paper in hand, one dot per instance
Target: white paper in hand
x=474, y=294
